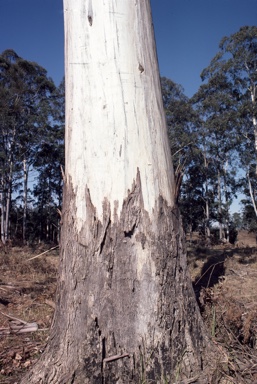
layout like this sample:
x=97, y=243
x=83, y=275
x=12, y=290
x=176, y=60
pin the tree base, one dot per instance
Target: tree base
x=126, y=311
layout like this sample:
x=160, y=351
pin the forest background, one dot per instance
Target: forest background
x=212, y=132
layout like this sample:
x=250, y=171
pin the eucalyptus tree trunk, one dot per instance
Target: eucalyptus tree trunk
x=5, y=205
x=254, y=120
x=126, y=311
x=8, y=208
x=221, y=234
x=2, y=212
x=207, y=203
x=251, y=193
x=25, y=199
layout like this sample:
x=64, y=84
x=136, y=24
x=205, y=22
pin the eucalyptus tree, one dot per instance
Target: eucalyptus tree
x=49, y=162
x=9, y=110
x=219, y=142
x=182, y=122
x=24, y=112
x=236, y=62
x=248, y=216
x=126, y=311
x=187, y=141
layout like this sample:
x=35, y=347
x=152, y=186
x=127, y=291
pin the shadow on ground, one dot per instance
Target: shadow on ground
x=209, y=264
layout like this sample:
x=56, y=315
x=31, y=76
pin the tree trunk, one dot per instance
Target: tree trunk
x=220, y=214
x=227, y=204
x=207, y=229
x=7, y=201
x=126, y=311
x=254, y=119
x=2, y=211
x=251, y=193
x=25, y=199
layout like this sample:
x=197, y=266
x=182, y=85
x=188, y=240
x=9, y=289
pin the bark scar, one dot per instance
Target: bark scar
x=90, y=13
x=90, y=20
x=141, y=68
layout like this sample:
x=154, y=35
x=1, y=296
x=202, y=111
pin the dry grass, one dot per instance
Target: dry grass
x=27, y=289
x=225, y=282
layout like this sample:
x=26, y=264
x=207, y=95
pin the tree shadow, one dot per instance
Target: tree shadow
x=247, y=255
x=211, y=271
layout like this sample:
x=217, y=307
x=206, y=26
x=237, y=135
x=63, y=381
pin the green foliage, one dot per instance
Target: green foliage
x=229, y=99
x=27, y=124
x=211, y=136
x=248, y=216
x=226, y=104
x=181, y=122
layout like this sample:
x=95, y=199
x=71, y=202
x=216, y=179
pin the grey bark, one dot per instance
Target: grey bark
x=101, y=339
x=125, y=311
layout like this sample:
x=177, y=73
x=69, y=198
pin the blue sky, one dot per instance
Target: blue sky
x=188, y=33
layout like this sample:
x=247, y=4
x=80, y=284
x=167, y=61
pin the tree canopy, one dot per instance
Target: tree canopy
x=29, y=122
x=213, y=140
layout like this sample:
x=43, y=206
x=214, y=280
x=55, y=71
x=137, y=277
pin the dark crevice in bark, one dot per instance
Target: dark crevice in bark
x=104, y=235
x=73, y=378
x=103, y=357
x=130, y=233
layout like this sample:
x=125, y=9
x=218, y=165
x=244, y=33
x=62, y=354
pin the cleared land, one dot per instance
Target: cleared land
x=225, y=282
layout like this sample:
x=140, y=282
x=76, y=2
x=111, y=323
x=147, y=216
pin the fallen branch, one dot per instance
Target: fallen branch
x=7, y=286
x=211, y=266
x=14, y=318
x=18, y=326
x=51, y=249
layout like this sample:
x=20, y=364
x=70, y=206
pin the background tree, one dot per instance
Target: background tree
x=31, y=150
x=181, y=121
x=217, y=138
x=183, y=125
x=24, y=113
x=236, y=65
x=48, y=163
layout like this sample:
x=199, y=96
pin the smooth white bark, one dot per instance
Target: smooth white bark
x=25, y=198
x=253, y=99
x=251, y=193
x=114, y=118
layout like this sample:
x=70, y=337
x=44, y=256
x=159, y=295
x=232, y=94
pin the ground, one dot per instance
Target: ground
x=27, y=293
x=225, y=283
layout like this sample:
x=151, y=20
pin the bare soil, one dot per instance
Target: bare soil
x=225, y=283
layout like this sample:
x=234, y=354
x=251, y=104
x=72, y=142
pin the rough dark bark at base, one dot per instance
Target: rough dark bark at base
x=126, y=311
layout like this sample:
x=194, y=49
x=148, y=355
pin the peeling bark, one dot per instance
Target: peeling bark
x=126, y=311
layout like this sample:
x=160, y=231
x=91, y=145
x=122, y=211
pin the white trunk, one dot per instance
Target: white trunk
x=111, y=71
x=251, y=193
x=2, y=208
x=253, y=99
x=7, y=214
x=126, y=312
x=25, y=199
x=207, y=208
x=227, y=204
x=221, y=235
